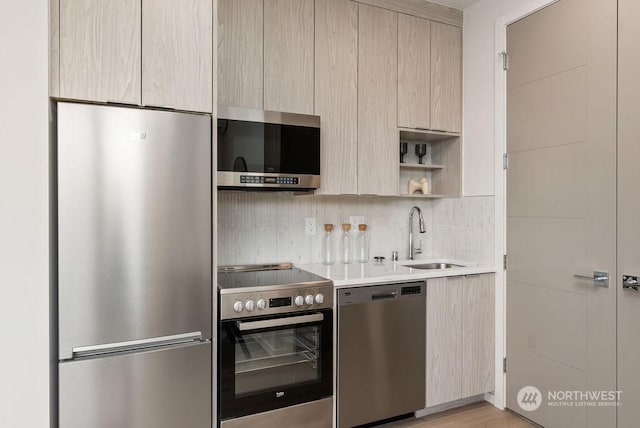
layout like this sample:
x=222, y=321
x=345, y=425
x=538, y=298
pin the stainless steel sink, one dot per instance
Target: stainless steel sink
x=430, y=266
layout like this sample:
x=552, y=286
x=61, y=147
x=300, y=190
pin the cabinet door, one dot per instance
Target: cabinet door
x=444, y=341
x=414, y=72
x=478, y=343
x=177, y=41
x=336, y=94
x=378, y=158
x=446, y=77
x=288, y=53
x=100, y=46
x=240, y=53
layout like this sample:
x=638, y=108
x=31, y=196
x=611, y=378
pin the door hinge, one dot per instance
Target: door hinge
x=505, y=161
x=504, y=365
x=505, y=60
x=505, y=262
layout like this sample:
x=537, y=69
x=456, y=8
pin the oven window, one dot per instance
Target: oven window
x=279, y=358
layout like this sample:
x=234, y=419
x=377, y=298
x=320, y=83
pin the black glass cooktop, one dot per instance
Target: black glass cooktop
x=270, y=276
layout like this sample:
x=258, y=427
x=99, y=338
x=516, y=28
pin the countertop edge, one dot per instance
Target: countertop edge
x=412, y=275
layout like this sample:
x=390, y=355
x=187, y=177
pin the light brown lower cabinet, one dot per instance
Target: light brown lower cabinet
x=460, y=338
x=478, y=334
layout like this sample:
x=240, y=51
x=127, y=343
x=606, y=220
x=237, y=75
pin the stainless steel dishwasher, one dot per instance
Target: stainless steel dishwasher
x=381, y=352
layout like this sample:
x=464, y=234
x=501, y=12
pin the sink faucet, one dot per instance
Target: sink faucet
x=413, y=251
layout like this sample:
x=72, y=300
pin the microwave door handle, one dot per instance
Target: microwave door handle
x=279, y=322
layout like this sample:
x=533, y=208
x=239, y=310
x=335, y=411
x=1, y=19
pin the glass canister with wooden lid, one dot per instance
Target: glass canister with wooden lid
x=362, y=244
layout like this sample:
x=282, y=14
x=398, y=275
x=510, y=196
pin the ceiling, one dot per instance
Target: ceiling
x=456, y=4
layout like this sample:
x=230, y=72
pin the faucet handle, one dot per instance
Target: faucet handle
x=418, y=250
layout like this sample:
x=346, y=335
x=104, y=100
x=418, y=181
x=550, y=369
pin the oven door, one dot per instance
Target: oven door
x=272, y=362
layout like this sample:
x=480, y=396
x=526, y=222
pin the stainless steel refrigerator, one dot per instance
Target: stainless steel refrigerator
x=134, y=267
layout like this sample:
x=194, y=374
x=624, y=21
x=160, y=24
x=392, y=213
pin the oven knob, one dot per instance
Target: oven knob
x=319, y=298
x=238, y=306
x=299, y=301
x=261, y=304
x=308, y=299
x=250, y=305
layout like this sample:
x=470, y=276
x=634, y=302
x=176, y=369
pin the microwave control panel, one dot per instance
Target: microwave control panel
x=258, y=179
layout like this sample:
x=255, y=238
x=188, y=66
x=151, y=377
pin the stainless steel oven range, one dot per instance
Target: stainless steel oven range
x=276, y=347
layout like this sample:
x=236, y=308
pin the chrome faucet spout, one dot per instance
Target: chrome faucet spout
x=412, y=250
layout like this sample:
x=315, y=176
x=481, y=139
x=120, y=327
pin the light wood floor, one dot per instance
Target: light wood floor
x=478, y=415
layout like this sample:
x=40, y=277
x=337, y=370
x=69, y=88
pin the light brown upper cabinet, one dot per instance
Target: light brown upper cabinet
x=105, y=57
x=288, y=55
x=446, y=77
x=176, y=54
x=100, y=46
x=414, y=72
x=240, y=53
x=377, y=101
x=336, y=94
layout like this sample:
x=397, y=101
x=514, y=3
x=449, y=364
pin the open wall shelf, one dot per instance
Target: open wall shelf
x=441, y=165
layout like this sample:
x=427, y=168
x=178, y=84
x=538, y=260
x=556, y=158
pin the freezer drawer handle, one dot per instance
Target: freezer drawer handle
x=279, y=322
x=134, y=345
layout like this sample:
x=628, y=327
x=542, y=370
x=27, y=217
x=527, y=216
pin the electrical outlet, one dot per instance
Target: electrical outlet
x=310, y=226
x=355, y=220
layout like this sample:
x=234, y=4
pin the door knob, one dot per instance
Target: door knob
x=599, y=278
x=630, y=282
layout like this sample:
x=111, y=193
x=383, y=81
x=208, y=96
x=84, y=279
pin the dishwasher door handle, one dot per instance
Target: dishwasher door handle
x=380, y=296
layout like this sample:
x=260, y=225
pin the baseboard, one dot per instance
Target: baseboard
x=451, y=405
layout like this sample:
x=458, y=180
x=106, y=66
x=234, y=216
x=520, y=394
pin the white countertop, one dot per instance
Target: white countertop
x=354, y=274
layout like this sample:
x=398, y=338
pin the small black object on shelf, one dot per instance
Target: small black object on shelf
x=421, y=151
x=403, y=151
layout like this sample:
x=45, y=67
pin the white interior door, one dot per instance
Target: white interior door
x=561, y=210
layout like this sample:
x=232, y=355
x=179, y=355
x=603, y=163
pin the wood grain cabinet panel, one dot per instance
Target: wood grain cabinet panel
x=414, y=72
x=446, y=77
x=100, y=44
x=177, y=42
x=460, y=337
x=478, y=335
x=288, y=55
x=336, y=94
x=378, y=159
x=444, y=340
x=54, y=48
x=240, y=53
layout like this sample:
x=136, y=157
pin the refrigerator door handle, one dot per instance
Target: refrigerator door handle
x=136, y=345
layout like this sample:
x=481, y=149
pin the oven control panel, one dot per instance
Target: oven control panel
x=247, y=304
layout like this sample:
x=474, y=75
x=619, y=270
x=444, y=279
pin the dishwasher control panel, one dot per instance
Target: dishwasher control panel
x=352, y=296
x=416, y=289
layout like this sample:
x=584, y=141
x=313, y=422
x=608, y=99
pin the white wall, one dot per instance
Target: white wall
x=480, y=61
x=480, y=57
x=24, y=255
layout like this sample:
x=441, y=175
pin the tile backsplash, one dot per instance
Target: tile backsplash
x=270, y=227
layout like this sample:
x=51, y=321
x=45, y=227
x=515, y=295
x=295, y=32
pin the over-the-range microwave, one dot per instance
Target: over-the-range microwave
x=266, y=150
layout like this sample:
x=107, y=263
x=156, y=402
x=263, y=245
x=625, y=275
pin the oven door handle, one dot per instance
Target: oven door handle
x=278, y=322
